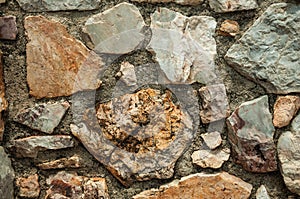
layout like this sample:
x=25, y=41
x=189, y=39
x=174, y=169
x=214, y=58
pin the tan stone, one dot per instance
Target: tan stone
x=212, y=139
x=210, y=159
x=72, y=162
x=2, y=1
x=29, y=187
x=285, y=109
x=230, y=28
x=201, y=186
x=3, y=102
x=57, y=63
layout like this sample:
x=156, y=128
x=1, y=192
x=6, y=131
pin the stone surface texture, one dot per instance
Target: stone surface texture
x=212, y=139
x=262, y=193
x=285, y=108
x=43, y=117
x=200, y=186
x=251, y=134
x=2, y=1
x=206, y=158
x=7, y=176
x=110, y=31
x=3, y=101
x=57, y=63
x=29, y=187
x=232, y=5
x=230, y=28
x=71, y=162
x=30, y=146
x=182, y=2
x=267, y=52
x=8, y=28
x=53, y=5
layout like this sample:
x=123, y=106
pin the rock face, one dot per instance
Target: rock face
x=3, y=102
x=200, y=185
x=29, y=187
x=182, y=2
x=57, y=63
x=212, y=139
x=72, y=162
x=210, y=159
x=8, y=28
x=267, y=52
x=285, y=109
x=229, y=28
x=262, y=193
x=43, y=117
x=251, y=135
x=30, y=146
x=232, y=5
x=7, y=176
x=111, y=30
x=52, y=5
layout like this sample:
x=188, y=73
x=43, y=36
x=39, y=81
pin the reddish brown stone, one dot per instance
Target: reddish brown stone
x=8, y=28
x=229, y=28
x=29, y=187
x=3, y=102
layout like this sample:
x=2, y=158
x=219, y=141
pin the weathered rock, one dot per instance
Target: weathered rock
x=285, y=109
x=251, y=135
x=262, y=193
x=117, y=30
x=182, y=2
x=7, y=176
x=3, y=102
x=232, y=5
x=212, y=139
x=179, y=42
x=29, y=187
x=296, y=123
x=8, y=28
x=71, y=162
x=57, y=63
x=206, y=158
x=67, y=185
x=214, y=103
x=128, y=74
x=267, y=52
x=229, y=28
x=52, y=5
x=30, y=146
x=200, y=185
x=43, y=117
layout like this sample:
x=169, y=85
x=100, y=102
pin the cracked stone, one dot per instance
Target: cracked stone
x=268, y=51
x=214, y=103
x=182, y=2
x=29, y=187
x=206, y=158
x=3, y=102
x=53, y=5
x=43, y=117
x=7, y=176
x=262, y=193
x=57, y=63
x=71, y=162
x=251, y=134
x=222, y=6
x=30, y=146
x=212, y=139
x=117, y=30
x=8, y=28
x=229, y=28
x=285, y=109
x=200, y=185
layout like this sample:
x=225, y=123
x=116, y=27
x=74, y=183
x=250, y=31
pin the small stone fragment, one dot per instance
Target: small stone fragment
x=268, y=51
x=251, y=134
x=117, y=30
x=200, y=185
x=30, y=146
x=212, y=139
x=285, y=109
x=128, y=74
x=3, y=102
x=262, y=193
x=232, y=5
x=72, y=162
x=43, y=117
x=214, y=103
x=57, y=63
x=7, y=176
x=29, y=187
x=229, y=28
x=8, y=28
x=95, y=188
x=53, y=5
x=210, y=159
x=182, y=2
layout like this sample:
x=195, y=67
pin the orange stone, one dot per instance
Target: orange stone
x=229, y=28
x=3, y=102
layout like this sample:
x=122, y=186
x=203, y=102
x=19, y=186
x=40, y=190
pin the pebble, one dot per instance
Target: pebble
x=7, y=176
x=8, y=28
x=71, y=162
x=262, y=193
x=212, y=139
x=182, y=2
x=229, y=28
x=128, y=74
x=222, y=6
x=3, y=101
x=29, y=187
x=206, y=158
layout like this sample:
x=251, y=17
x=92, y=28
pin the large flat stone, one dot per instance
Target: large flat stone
x=232, y=5
x=182, y=2
x=269, y=51
x=7, y=176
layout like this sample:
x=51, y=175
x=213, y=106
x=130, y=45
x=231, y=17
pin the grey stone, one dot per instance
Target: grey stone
x=117, y=30
x=232, y=5
x=8, y=28
x=7, y=176
x=296, y=123
x=212, y=139
x=251, y=134
x=262, y=193
x=182, y=2
x=31, y=146
x=206, y=158
x=43, y=117
x=128, y=74
x=269, y=51
x=54, y=5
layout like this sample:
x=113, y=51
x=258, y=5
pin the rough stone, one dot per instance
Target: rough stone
x=200, y=185
x=43, y=117
x=3, y=102
x=53, y=5
x=8, y=28
x=214, y=103
x=268, y=52
x=29, y=187
x=206, y=158
x=128, y=74
x=71, y=162
x=67, y=185
x=117, y=30
x=30, y=146
x=182, y=2
x=262, y=193
x=57, y=63
x=229, y=28
x=232, y=5
x=285, y=109
x=251, y=135
x=7, y=176
x=212, y=139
